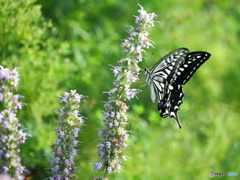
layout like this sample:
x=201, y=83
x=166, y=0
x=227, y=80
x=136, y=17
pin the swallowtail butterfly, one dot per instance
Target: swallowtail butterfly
x=167, y=76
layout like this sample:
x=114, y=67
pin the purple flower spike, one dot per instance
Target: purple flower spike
x=65, y=148
x=113, y=137
x=10, y=128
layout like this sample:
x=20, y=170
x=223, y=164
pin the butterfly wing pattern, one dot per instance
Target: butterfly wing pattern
x=167, y=76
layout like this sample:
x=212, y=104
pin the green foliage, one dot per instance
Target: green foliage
x=71, y=45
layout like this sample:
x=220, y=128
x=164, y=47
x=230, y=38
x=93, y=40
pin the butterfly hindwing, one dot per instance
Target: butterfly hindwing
x=169, y=105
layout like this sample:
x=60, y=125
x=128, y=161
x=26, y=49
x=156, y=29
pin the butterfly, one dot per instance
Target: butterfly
x=167, y=76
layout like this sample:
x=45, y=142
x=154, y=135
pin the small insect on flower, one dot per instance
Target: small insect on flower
x=167, y=76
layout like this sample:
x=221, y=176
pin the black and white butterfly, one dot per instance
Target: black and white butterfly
x=167, y=76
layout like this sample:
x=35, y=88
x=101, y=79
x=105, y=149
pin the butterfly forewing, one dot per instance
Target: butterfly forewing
x=164, y=71
x=169, y=63
x=192, y=62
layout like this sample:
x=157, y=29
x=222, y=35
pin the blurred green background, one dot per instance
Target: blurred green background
x=63, y=45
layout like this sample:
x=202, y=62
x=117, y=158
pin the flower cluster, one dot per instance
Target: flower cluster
x=63, y=166
x=114, y=136
x=10, y=132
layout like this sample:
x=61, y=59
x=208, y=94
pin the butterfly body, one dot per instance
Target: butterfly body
x=167, y=76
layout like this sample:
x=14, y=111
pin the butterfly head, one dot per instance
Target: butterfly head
x=146, y=70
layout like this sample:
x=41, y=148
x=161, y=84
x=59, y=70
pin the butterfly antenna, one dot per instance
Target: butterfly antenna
x=146, y=63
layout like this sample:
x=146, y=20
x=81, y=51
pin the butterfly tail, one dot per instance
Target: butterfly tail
x=177, y=120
